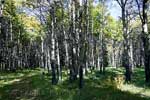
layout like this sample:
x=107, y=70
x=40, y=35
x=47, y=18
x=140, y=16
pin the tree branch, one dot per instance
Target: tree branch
x=139, y=12
x=119, y=3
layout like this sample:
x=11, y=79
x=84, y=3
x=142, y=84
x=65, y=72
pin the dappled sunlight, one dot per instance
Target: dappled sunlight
x=5, y=82
x=74, y=50
x=10, y=77
x=136, y=90
x=35, y=86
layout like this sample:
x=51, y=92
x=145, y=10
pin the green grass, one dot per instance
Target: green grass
x=32, y=85
x=138, y=85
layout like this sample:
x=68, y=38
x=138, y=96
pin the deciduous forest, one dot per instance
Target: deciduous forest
x=75, y=50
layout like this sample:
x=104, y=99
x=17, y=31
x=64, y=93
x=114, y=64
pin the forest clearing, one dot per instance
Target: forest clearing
x=32, y=85
x=75, y=50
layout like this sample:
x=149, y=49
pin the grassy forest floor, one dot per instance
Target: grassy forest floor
x=32, y=85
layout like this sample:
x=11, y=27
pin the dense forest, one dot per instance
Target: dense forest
x=75, y=47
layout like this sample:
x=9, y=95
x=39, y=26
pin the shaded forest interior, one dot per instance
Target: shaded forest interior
x=74, y=50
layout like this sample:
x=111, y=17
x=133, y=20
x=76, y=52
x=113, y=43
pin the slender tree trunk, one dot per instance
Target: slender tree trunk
x=146, y=42
x=53, y=60
x=126, y=62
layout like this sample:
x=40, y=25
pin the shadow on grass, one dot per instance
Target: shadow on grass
x=39, y=87
x=138, y=78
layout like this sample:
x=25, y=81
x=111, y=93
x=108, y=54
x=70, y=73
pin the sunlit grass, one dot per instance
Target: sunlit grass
x=33, y=85
x=136, y=90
